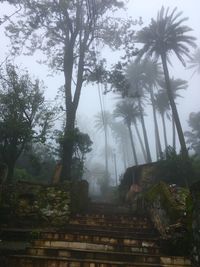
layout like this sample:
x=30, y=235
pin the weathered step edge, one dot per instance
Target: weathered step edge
x=80, y=262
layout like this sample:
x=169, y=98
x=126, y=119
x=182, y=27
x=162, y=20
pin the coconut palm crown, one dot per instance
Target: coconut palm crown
x=166, y=34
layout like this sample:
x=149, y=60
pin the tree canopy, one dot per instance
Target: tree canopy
x=67, y=32
x=24, y=116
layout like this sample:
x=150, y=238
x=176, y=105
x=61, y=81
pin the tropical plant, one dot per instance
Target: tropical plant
x=165, y=35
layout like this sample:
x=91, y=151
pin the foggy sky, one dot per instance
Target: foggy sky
x=89, y=103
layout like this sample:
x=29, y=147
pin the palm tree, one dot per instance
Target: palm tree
x=176, y=86
x=135, y=76
x=129, y=112
x=121, y=135
x=102, y=123
x=152, y=74
x=162, y=105
x=163, y=36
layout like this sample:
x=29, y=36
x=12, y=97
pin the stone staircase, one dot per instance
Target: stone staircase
x=108, y=236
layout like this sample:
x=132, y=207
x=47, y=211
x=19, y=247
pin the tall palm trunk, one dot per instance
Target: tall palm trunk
x=157, y=136
x=144, y=131
x=140, y=141
x=173, y=107
x=132, y=144
x=124, y=157
x=173, y=134
x=164, y=129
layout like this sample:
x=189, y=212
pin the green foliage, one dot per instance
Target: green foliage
x=174, y=168
x=81, y=146
x=162, y=192
x=52, y=204
x=24, y=117
x=69, y=43
x=22, y=175
x=37, y=162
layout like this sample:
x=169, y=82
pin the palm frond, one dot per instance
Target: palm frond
x=166, y=34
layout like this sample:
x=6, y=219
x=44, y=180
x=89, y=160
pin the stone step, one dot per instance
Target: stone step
x=111, y=217
x=41, y=261
x=123, y=231
x=125, y=243
x=108, y=208
x=94, y=254
x=134, y=246
x=111, y=223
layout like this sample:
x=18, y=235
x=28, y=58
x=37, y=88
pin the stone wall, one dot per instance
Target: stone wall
x=195, y=191
x=35, y=205
x=166, y=206
x=142, y=175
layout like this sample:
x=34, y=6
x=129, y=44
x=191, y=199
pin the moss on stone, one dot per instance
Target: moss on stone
x=172, y=206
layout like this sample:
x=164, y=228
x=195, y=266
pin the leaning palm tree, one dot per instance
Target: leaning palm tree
x=163, y=36
x=124, y=109
x=176, y=86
